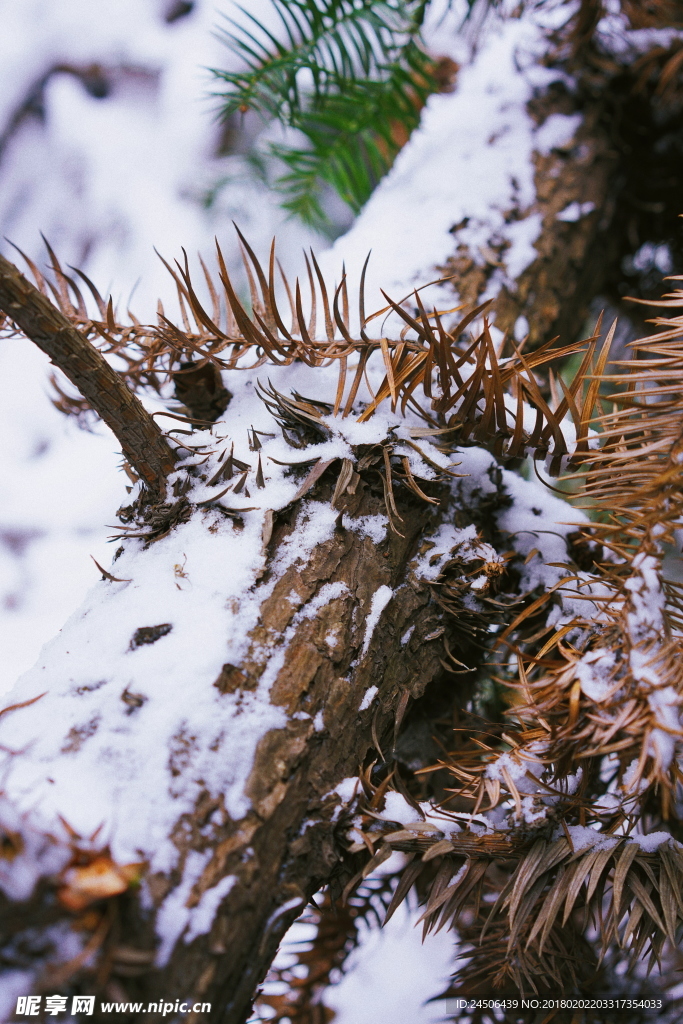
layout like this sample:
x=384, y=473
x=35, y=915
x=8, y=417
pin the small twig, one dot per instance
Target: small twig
x=141, y=440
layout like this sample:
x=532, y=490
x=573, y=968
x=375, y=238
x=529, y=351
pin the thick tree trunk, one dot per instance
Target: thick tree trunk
x=344, y=640
x=286, y=846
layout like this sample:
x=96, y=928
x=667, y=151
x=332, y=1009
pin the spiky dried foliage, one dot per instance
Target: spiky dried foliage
x=468, y=402
x=618, y=688
x=593, y=732
x=544, y=895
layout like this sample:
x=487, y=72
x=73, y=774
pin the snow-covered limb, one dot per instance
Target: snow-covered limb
x=181, y=733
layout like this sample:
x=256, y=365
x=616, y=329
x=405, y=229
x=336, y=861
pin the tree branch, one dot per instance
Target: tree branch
x=142, y=442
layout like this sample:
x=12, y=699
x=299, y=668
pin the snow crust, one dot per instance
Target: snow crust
x=346, y=789
x=516, y=767
x=175, y=918
x=575, y=211
x=652, y=841
x=201, y=916
x=367, y=700
x=556, y=132
x=583, y=837
x=397, y=808
x=467, y=165
x=594, y=672
x=614, y=34
x=174, y=914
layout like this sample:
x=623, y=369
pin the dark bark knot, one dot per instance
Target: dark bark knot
x=149, y=634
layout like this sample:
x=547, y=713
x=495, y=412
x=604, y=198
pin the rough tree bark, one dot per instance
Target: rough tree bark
x=290, y=831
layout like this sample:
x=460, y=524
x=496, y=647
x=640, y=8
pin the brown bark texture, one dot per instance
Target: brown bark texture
x=142, y=442
x=290, y=834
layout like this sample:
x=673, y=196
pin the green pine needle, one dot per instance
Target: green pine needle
x=351, y=76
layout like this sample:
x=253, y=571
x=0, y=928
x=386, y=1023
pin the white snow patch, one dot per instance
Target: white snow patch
x=516, y=765
x=665, y=703
x=40, y=855
x=653, y=841
x=347, y=789
x=174, y=915
x=630, y=776
x=397, y=808
x=449, y=540
x=521, y=328
x=556, y=132
x=407, y=635
x=15, y=983
x=201, y=917
x=583, y=838
x=522, y=234
x=594, y=671
x=328, y=592
x=575, y=211
x=380, y=599
x=370, y=695
x=573, y=781
x=374, y=527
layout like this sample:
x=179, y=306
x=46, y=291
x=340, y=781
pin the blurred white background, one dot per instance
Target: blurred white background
x=111, y=145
